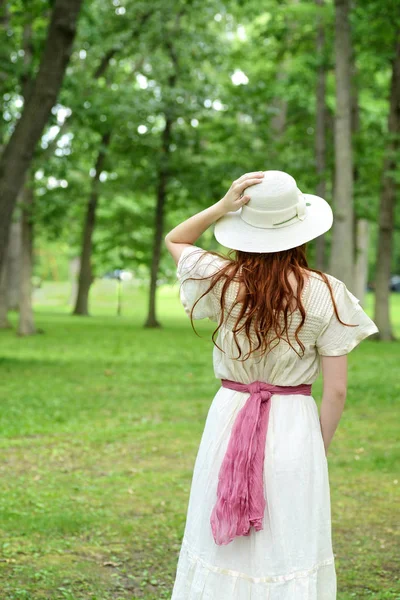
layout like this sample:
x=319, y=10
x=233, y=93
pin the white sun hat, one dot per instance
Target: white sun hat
x=277, y=217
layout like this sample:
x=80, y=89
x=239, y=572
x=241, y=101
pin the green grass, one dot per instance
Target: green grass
x=100, y=425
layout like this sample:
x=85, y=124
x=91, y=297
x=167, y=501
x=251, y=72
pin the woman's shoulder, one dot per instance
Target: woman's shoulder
x=195, y=270
x=320, y=296
x=321, y=286
x=334, y=281
x=345, y=328
x=196, y=261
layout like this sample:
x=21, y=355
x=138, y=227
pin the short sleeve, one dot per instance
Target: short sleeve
x=336, y=339
x=195, y=263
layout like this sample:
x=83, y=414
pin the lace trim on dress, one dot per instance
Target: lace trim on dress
x=270, y=579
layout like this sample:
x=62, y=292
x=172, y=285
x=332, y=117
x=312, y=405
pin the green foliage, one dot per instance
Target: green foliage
x=236, y=78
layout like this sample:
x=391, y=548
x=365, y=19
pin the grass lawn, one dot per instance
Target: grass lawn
x=100, y=425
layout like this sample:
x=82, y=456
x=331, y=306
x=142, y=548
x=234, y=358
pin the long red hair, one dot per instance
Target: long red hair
x=268, y=297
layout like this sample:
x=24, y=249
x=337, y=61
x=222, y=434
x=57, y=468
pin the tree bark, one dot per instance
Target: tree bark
x=280, y=106
x=74, y=268
x=26, y=325
x=387, y=204
x=342, y=252
x=4, y=322
x=18, y=153
x=361, y=260
x=320, y=133
x=85, y=272
x=24, y=259
x=163, y=175
x=360, y=224
x=13, y=255
x=12, y=264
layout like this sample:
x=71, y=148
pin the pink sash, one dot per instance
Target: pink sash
x=240, y=495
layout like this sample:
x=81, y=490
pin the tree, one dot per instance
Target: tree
x=163, y=177
x=342, y=251
x=361, y=224
x=18, y=152
x=320, y=130
x=85, y=272
x=183, y=90
x=390, y=186
x=26, y=324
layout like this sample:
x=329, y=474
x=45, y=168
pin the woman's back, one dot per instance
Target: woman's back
x=321, y=334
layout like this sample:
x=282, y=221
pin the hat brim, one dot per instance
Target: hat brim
x=234, y=233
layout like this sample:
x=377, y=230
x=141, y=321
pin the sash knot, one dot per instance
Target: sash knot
x=257, y=387
x=240, y=501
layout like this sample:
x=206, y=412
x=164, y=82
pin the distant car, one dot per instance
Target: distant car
x=120, y=274
x=395, y=283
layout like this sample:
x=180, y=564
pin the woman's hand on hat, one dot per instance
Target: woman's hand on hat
x=191, y=229
x=235, y=197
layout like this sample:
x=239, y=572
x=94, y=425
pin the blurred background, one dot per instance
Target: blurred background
x=120, y=119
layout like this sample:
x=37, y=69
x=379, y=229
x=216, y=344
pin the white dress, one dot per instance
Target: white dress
x=291, y=558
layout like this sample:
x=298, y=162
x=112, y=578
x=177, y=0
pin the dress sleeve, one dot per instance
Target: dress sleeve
x=336, y=339
x=195, y=263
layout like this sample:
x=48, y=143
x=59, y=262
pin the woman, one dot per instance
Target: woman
x=259, y=519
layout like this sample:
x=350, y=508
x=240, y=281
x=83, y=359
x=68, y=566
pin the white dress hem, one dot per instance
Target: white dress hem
x=270, y=579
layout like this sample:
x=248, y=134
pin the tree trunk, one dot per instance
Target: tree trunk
x=387, y=204
x=13, y=264
x=26, y=324
x=24, y=253
x=18, y=153
x=85, y=272
x=280, y=106
x=74, y=268
x=320, y=133
x=342, y=252
x=361, y=260
x=151, y=320
x=280, y=103
x=360, y=224
x=4, y=322
x=163, y=176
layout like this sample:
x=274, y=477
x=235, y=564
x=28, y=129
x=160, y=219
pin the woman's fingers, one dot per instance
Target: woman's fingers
x=254, y=174
x=247, y=183
x=235, y=197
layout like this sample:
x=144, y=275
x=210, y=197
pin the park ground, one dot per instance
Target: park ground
x=100, y=424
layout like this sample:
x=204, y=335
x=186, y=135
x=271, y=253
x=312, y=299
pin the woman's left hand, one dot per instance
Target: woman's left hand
x=234, y=197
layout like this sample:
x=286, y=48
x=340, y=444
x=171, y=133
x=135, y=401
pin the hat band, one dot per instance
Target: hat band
x=273, y=219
